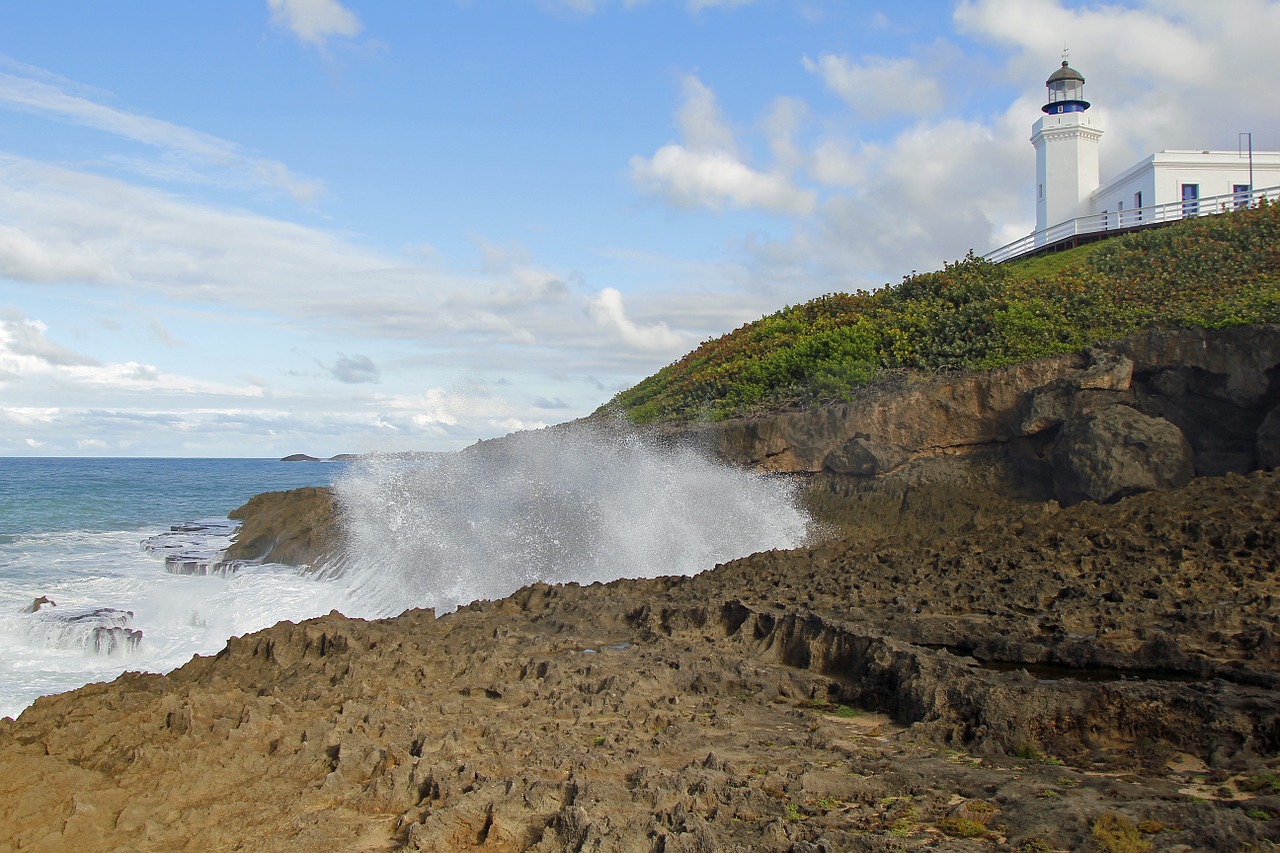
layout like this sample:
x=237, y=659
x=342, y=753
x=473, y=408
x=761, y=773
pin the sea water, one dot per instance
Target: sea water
x=422, y=530
x=72, y=531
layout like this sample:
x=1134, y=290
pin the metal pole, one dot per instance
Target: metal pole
x=1246, y=138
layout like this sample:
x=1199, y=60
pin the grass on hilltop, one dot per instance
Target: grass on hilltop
x=1211, y=272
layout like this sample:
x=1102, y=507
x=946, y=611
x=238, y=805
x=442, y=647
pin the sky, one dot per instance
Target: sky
x=263, y=227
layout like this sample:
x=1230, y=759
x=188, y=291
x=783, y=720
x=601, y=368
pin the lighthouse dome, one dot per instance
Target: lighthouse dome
x=1066, y=91
x=1066, y=72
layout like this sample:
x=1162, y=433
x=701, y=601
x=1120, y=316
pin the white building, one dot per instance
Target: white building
x=1071, y=201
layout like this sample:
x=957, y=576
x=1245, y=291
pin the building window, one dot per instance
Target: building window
x=1190, y=200
x=1242, y=193
x=1120, y=214
x=1137, y=203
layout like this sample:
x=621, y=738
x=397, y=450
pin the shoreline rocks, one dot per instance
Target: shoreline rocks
x=299, y=527
x=969, y=664
x=1071, y=668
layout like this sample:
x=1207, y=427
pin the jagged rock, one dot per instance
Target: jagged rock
x=1118, y=451
x=1108, y=371
x=35, y=605
x=862, y=457
x=298, y=527
x=1104, y=383
x=1061, y=401
x=115, y=640
x=98, y=630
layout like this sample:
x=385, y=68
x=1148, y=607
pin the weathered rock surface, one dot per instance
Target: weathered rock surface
x=1117, y=451
x=1269, y=440
x=1028, y=678
x=1216, y=386
x=298, y=527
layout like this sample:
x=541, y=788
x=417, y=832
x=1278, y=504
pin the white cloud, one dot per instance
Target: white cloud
x=315, y=21
x=1169, y=74
x=878, y=86
x=20, y=337
x=919, y=199
x=79, y=229
x=28, y=258
x=1155, y=39
x=835, y=163
x=438, y=409
x=606, y=308
x=700, y=121
x=191, y=155
x=28, y=357
x=713, y=179
x=705, y=168
x=781, y=125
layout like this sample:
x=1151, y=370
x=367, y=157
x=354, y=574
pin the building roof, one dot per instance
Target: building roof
x=1066, y=72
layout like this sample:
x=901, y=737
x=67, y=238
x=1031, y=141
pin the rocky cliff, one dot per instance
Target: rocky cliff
x=1216, y=387
x=954, y=451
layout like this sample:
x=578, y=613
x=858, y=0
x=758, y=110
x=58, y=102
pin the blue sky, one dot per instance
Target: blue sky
x=261, y=227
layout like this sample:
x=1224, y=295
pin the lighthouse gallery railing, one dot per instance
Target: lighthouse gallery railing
x=1128, y=220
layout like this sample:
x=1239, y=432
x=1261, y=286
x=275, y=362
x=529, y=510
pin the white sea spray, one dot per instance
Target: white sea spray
x=555, y=505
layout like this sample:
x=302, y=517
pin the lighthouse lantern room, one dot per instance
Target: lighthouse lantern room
x=1066, y=91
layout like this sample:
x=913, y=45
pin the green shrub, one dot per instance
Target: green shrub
x=1210, y=272
x=959, y=827
x=1115, y=833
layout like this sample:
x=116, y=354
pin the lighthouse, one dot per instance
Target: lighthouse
x=1066, y=142
x=1073, y=206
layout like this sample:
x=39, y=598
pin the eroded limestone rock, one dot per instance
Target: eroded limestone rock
x=1117, y=451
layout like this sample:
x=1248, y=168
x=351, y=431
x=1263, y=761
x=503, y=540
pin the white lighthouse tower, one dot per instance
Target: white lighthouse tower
x=1066, y=142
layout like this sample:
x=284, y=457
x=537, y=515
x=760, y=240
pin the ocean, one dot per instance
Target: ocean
x=430, y=530
x=72, y=530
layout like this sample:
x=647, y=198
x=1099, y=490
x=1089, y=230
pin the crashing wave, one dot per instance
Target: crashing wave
x=580, y=505
x=93, y=630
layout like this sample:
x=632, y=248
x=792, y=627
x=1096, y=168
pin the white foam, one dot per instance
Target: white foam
x=179, y=616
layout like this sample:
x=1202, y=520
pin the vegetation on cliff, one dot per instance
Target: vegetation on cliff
x=1212, y=272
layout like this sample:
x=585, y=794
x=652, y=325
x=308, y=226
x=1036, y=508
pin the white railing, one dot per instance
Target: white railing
x=1124, y=220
